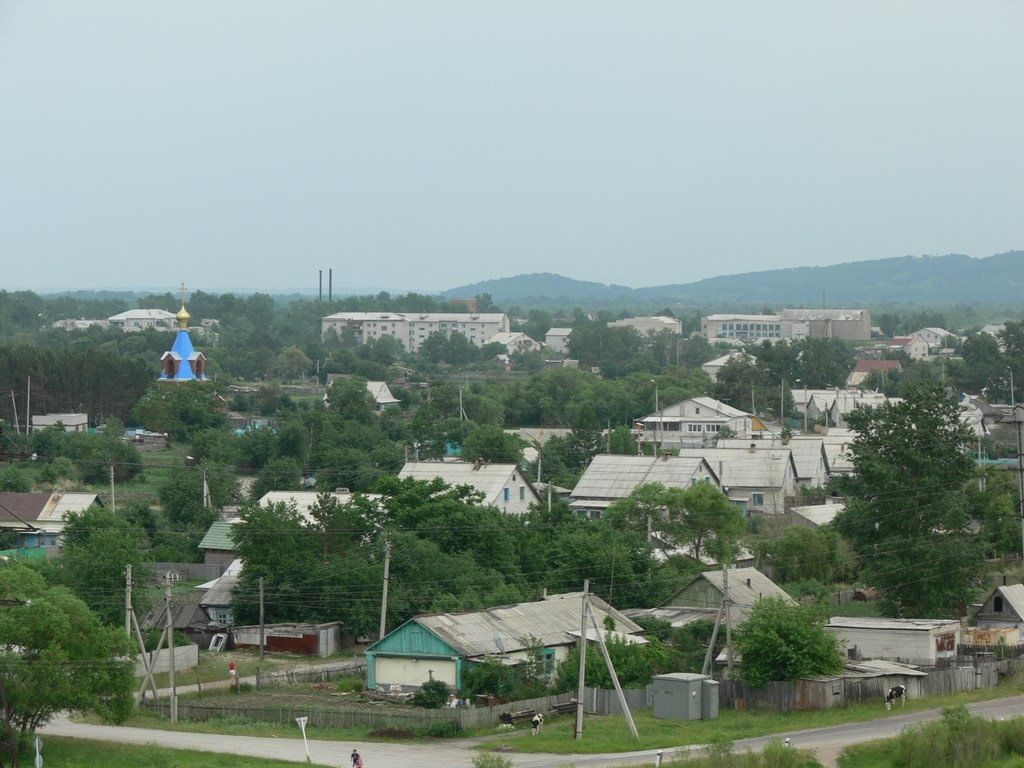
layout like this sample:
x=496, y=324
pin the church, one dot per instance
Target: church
x=182, y=362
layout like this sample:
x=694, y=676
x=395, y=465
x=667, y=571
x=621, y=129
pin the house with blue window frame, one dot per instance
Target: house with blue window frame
x=444, y=646
x=503, y=486
x=38, y=518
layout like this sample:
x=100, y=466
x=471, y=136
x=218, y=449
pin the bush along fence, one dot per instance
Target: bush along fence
x=826, y=693
x=355, y=716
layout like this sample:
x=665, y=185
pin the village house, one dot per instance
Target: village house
x=215, y=595
x=217, y=545
x=937, y=338
x=80, y=324
x=411, y=329
x=69, y=422
x=503, y=486
x=757, y=480
x=701, y=598
x=816, y=515
x=913, y=347
x=838, y=444
x=695, y=423
x=135, y=320
x=557, y=340
x=648, y=325
x=712, y=367
x=845, y=401
x=38, y=518
x=383, y=398
x=921, y=642
x=809, y=457
x=610, y=477
x=1003, y=608
x=444, y=646
x=515, y=342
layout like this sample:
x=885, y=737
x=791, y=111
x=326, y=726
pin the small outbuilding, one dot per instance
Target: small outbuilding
x=303, y=639
x=1004, y=607
x=920, y=642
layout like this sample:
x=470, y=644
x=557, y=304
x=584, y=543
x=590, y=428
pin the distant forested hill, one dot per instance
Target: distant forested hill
x=919, y=280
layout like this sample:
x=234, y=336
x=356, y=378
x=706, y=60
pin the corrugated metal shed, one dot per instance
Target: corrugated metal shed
x=219, y=536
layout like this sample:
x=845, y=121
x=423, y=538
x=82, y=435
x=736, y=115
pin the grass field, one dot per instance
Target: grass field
x=78, y=753
x=611, y=734
x=214, y=666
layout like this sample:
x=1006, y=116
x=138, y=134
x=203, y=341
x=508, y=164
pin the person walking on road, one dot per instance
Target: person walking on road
x=357, y=759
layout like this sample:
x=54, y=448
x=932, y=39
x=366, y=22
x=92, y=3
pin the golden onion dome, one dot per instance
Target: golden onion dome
x=183, y=316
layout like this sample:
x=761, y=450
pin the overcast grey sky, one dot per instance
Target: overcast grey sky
x=424, y=144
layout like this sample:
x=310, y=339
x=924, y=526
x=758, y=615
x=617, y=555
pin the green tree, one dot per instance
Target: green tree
x=807, y=554
x=181, y=495
x=292, y=363
x=782, y=641
x=635, y=665
x=56, y=656
x=180, y=410
x=280, y=474
x=97, y=545
x=14, y=480
x=907, y=514
x=491, y=443
x=351, y=400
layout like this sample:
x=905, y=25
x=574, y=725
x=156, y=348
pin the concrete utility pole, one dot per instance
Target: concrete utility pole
x=728, y=619
x=262, y=628
x=170, y=646
x=28, y=406
x=706, y=668
x=578, y=733
x=1018, y=422
x=113, y=503
x=128, y=601
x=384, y=595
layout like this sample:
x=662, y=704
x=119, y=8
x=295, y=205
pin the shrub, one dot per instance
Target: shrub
x=444, y=729
x=491, y=760
x=431, y=695
x=61, y=468
x=14, y=480
x=350, y=684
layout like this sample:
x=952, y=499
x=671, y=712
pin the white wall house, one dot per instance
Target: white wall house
x=646, y=325
x=515, y=342
x=411, y=329
x=695, y=422
x=758, y=480
x=922, y=642
x=557, y=340
x=913, y=347
x=70, y=422
x=712, y=367
x=503, y=485
x=936, y=338
x=809, y=456
x=135, y=320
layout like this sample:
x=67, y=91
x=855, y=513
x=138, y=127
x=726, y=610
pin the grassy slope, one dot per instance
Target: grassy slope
x=78, y=753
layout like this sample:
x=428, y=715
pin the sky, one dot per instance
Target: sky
x=243, y=144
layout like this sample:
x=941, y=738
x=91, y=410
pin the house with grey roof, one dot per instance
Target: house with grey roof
x=610, y=477
x=135, y=320
x=921, y=642
x=215, y=595
x=809, y=457
x=815, y=515
x=443, y=646
x=504, y=486
x=758, y=479
x=557, y=339
x=701, y=598
x=1004, y=607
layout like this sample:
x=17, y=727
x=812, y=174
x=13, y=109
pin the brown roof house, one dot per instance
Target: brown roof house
x=38, y=518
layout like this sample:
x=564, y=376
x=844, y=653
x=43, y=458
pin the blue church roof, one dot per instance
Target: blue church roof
x=185, y=355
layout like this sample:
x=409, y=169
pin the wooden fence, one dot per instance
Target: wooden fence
x=826, y=693
x=368, y=716
x=190, y=571
x=603, y=701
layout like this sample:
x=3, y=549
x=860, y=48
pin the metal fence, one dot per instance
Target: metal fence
x=603, y=701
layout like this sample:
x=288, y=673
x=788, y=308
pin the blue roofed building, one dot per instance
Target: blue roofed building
x=182, y=362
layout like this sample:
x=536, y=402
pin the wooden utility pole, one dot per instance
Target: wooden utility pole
x=611, y=672
x=578, y=733
x=170, y=646
x=1018, y=422
x=708, y=657
x=128, y=601
x=262, y=627
x=384, y=595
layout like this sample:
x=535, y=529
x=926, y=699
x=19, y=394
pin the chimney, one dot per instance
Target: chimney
x=752, y=448
x=330, y=283
x=321, y=298
x=748, y=583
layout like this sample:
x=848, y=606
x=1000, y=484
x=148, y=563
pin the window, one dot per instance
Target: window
x=757, y=499
x=997, y=604
x=695, y=410
x=506, y=494
x=548, y=660
x=694, y=428
x=712, y=427
x=522, y=492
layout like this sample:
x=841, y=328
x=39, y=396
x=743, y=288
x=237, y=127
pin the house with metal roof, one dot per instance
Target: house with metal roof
x=702, y=597
x=135, y=320
x=304, y=501
x=611, y=477
x=759, y=480
x=39, y=518
x=443, y=646
x=383, y=398
x=215, y=595
x=1004, y=607
x=503, y=486
x=809, y=457
x=921, y=642
x=815, y=515
x=218, y=547
x=696, y=422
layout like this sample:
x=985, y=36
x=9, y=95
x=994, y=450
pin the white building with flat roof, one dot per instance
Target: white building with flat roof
x=411, y=329
x=646, y=325
x=742, y=327
x=134, y=320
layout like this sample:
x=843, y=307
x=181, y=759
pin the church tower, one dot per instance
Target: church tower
x=182, y=362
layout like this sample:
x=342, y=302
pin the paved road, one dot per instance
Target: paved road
x=458, y=754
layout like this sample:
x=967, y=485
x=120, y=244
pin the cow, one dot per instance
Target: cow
x=894, y=694
x=537, y=723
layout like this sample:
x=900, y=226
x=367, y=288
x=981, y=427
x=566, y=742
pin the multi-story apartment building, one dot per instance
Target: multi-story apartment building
x=849, y=324
x=411, y=329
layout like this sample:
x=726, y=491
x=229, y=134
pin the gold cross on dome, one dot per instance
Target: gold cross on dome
x=182, y=288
